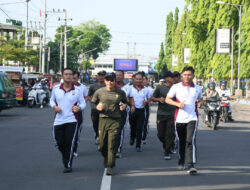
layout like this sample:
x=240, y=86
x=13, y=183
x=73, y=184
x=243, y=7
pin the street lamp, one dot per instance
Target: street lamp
x=239, y=7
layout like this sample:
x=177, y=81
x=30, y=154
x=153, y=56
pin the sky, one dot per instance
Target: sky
x=130, y=21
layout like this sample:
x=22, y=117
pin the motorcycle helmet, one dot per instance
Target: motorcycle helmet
x=223, y=83
x=213, y=84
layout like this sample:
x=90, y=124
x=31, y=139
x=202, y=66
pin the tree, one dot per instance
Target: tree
x=168, y=40
x=86, y=40
x=161, y=67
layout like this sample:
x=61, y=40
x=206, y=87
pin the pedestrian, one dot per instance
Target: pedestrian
x=94, y=112
x=139, y=94
x=84, y=92
x=67, y=101
x=147, y=109
x=161, y=81
x=187, y=95
x=110, y=101
x=124, y=114
x=165, y=115
x=177, y=77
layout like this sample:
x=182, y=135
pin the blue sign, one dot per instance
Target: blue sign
x=125, y=64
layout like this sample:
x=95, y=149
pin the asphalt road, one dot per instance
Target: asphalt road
x=30, y=161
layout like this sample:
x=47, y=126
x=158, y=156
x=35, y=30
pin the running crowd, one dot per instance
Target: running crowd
x=114, y=104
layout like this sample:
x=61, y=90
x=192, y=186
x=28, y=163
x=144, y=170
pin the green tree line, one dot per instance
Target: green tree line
x=196, y=30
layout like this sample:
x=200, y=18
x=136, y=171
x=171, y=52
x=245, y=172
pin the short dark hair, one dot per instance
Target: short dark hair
x=120, y=71
x=76, y=73
x=188, y=68
x=176, y=74
x=139, y=73
x=67, y=68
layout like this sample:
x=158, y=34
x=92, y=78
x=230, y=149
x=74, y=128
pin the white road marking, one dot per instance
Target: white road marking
x=106, y=181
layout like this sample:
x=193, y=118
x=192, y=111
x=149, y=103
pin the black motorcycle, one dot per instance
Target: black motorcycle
x=212, y=111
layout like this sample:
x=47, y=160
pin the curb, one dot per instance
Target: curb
x=246, y=102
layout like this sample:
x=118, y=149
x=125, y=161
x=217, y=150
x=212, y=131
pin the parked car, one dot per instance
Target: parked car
x=7, y=92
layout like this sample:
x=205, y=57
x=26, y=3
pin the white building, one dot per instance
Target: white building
x=106, y=62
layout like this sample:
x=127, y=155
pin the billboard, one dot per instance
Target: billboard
x=186, y=55
x=125, y=64
x=222, y=40
x=174, y=60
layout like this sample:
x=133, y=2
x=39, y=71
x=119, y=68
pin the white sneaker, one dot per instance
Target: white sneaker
x=118, y=155
x=75, y=154
x=192, y=171
x=41, y=106
x=97, y=140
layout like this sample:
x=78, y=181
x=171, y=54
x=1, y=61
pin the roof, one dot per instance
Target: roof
x=9, y=27
x=11, y=69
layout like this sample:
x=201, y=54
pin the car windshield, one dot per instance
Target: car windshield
x=7, y=82
x=1, y=84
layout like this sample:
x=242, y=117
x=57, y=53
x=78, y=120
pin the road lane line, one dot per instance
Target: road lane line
x=106, y=181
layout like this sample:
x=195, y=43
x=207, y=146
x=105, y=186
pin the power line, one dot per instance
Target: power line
x=134, y=33
x=5, y=13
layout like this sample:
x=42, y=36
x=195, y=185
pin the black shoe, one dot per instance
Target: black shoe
x=138, y=149
x=191, y=170
x=132, y=142
x=109, y=171
x=181, y=167
x=67, y=170
x=230, y=119
x=167, y=156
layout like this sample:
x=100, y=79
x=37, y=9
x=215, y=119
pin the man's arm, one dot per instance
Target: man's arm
x=174, y=103
x=53, y=102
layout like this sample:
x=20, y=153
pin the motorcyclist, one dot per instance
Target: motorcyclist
x=38, y=88
x=224, y=91
x=209, y=93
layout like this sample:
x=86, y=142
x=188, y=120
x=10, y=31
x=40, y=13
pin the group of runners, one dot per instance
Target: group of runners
x=114, y=104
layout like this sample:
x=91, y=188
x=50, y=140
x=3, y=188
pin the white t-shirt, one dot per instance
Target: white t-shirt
x=150, y=91
x=189, y=94
x=226, y=92
x=83, y=89
x=138, y=95
x=126, y=88
x=65, y=101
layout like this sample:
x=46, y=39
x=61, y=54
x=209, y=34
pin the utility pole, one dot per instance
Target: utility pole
x=61, y=53
x=232, y=61
x=48, y=60
x=135, y=50
x=128, y=50
x=65, y=39
x=44, y=37
x=27, y=24
x=239, y=46
x=40, y=50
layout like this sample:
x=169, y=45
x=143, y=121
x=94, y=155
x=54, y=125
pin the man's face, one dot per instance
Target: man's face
x=199, y=83
x=75, y=79
x=110, y=83
x=100, y=78
x=211, y=87
x=119, y=76
x=145, y=81
x=67, y=76
x=222, y=87
x=187, y=76
x=176, y=80
x=169, y=80
x=138, y=80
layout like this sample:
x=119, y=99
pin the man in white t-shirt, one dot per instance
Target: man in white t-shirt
x=185, y=96
x=224, y=91
x=84, y=92
x=67, y=101
x=147, y=109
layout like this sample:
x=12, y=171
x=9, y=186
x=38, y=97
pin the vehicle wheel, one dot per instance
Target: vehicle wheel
x=44, y=102
x=30, y=103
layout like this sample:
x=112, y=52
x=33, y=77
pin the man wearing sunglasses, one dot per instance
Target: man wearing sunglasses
x=110, y=101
